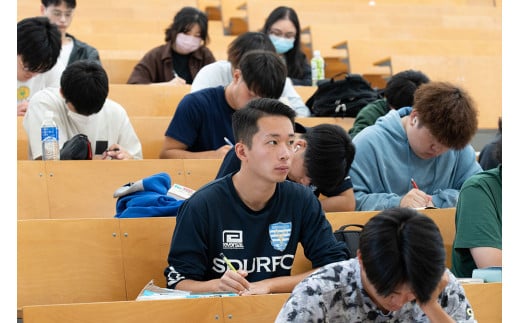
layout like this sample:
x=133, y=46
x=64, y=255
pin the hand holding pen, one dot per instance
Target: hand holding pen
x=416, y=198
x=233, y=278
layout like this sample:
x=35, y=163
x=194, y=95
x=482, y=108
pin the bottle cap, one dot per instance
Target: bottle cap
x=317, y=53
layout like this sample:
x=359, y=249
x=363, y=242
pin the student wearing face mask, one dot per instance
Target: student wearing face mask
x=80, y=105
x=283, y=27
x=183, y=55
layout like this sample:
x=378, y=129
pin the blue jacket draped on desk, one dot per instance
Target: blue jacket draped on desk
x=146, y=198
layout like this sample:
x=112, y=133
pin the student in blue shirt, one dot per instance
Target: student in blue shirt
x=203, y=119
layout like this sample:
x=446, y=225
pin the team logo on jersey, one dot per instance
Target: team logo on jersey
x=232, y=239
x=280, y=233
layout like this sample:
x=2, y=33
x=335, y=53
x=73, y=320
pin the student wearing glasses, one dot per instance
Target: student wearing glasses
x=60, y=13
x=38, y=48
x=283, y=27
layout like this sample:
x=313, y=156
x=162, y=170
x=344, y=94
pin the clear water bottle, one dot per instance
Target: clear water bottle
x=317, y=67
x=50, y=138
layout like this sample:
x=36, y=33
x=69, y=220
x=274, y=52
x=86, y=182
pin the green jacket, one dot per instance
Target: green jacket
x=368, y=116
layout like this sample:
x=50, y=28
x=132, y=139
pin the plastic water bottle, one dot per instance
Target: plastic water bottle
x=50, y=138
x=317, y=67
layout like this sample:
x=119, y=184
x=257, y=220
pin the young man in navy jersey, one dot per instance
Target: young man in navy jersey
x=254, y=216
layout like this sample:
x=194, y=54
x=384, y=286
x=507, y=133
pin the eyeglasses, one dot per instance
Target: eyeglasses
x=279, y=33
x=58, y=14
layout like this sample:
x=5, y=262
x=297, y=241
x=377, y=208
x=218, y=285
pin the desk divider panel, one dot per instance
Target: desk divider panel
x=85, y=188
x=145, y=246
x=69, y=261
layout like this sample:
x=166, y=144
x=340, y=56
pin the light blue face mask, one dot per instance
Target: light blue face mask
x=281, y=44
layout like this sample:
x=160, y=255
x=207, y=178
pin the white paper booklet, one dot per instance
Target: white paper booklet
x=180, y=192
x=151, y=292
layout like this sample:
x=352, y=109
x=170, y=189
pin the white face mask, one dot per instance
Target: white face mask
x=185, y=44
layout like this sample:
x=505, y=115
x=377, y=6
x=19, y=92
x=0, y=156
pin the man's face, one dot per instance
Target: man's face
x=298, y=171
x=23, y=74
x=393, y=302
x=422, y=142
x=272, y=149
x=238, y=94
x=60, y=15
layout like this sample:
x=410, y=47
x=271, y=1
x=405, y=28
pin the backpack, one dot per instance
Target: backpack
x=350, y=237
x=76, y=148
x=342, y=98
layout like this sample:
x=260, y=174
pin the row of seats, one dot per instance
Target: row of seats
x=110, y=260
x=486, y=300
x=150, y=131
x=84, y=188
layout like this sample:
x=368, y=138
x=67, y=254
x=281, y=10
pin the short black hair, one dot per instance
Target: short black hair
x=264, y=73
x=245, y=121
x=401, y=245
x=328, y=155
x=39, y=43
x=245, y=42
x=69, y=3
x=84, y=84
x=400, y=89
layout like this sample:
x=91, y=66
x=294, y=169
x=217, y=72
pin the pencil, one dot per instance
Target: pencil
x=228, y=262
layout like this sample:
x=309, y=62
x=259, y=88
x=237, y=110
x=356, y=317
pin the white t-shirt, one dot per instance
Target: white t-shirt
x=66, y=49
x=51, y=78
x=110, y=124
x=219, y=73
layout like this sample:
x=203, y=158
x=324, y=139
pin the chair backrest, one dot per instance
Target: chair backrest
x=82, y=188
x=444, y=218
x=148, y=100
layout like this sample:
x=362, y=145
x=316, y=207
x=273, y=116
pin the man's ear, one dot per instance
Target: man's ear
x=42, y=10
x=299, y=145
x=240, y=151
x=300, y=142
x=237, y=74
x=358, y=254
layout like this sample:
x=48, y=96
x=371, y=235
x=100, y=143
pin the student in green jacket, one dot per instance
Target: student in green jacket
x=398, y=93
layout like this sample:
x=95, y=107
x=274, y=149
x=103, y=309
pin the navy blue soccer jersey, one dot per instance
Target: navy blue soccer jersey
x=214, y=221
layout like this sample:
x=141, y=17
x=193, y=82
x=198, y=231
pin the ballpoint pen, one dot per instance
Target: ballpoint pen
x=414, y=184
x=228, y=141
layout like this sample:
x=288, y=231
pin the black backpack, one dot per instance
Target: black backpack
x=350, y=237
x=342, y=98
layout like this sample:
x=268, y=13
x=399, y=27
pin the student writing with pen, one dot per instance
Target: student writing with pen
x=429, y=142
x=203, y=118
x=183, y=54
x=253, y=216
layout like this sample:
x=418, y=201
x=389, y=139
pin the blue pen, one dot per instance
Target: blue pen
x=228, y=141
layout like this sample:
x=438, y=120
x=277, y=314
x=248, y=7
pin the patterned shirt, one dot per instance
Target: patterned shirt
x=334, y=293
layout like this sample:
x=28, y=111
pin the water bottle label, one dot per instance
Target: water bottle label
x=49, y=132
